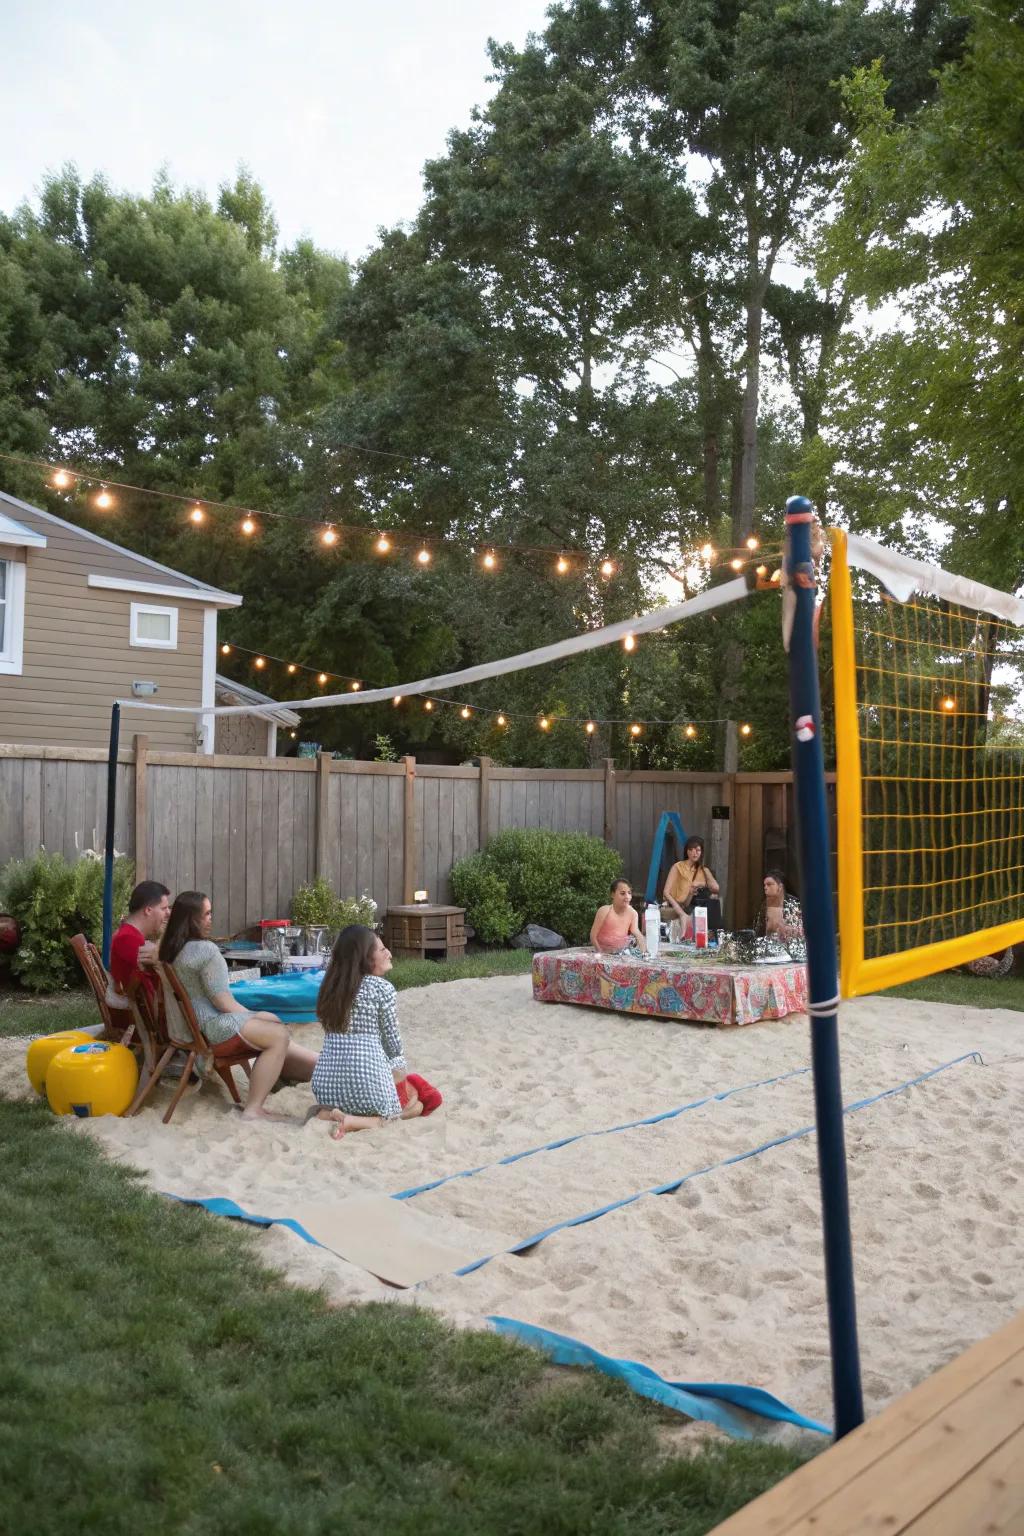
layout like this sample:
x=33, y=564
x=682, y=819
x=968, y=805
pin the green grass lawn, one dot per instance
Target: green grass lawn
x=155, y=1376
x=970, y=991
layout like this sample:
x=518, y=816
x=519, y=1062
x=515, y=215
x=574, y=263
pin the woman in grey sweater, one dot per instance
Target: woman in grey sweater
x=203, y=972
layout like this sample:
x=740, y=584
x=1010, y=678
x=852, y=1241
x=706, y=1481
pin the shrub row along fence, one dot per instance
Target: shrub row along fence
x=250, y=831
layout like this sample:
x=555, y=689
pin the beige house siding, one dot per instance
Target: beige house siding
x=77, y=654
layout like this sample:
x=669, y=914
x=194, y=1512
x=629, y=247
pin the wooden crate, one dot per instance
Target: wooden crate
x=413, y=932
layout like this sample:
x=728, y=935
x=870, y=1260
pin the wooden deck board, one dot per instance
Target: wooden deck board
x=954, y=1443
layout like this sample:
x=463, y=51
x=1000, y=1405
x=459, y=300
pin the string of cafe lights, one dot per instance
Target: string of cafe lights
x=545, y=720
x=331, y=533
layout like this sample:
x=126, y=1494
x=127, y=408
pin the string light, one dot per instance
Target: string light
x=104, y=500
x=737, y=565
x=197, y=515
x=635, y=729
x=691, y=732
x=745, y=730
x=397, y=700
x=260, y=663
x=292, y=669
x=424, y=557
x=590, y=727
x=329, y=535
x=248, y=526
x=752, y=542
x=762, y=570
x=382, y=545
x=949, y=705
x=465, y=711
x=225, y=649
x=61, y=479
x=707, y=551
x=561, y=565
x=501, y=720
x=428, y=706
x=293, y=734
x=629, y=643
x=355, y=687
x=776, y=576
x=489, y=561
x=545, y=723
x=607, y=568
x=322, y=679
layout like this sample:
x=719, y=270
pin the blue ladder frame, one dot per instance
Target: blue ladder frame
x=668, y=819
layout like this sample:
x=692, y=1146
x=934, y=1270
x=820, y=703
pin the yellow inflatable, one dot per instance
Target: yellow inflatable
x=93, y=1079
x=41, y=1052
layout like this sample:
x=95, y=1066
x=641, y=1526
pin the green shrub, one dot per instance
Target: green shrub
x=52, y=901
x=484, y=895
x=530, y=875
x=316, y=906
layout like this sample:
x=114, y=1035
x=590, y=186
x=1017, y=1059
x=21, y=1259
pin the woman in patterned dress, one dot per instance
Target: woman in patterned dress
x=361, y=1080
x=780, y=914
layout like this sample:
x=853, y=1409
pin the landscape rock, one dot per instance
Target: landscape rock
x=534, y=936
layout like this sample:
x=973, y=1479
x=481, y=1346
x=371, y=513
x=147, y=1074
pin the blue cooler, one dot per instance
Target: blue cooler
x=292, y=997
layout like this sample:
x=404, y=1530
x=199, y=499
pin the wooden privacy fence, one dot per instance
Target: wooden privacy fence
x=249, y=831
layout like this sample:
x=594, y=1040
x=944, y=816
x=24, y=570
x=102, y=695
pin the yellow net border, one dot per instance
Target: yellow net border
x=861, y=972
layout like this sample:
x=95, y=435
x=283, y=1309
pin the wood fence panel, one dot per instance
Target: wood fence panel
x=396, y=842
x=270, y=894
x=12, y=799
x=207, y=837
x=288, y=785
x=426, y=833
x=440, y=886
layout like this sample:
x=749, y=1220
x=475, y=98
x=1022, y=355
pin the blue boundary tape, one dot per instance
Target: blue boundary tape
x=567, y=1141
x=711, y=1401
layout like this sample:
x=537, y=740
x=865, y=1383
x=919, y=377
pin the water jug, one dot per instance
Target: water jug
x=652, y=928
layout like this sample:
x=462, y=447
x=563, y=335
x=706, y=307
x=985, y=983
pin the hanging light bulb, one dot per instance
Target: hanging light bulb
x=490, y=560
x=383, y=544
x=736, y=565
x=329, y=535
x=745, y=730
x=465, y=712
x=322, y=679
x=561, y=565
x=355, y=687
x=248, y=526
x=292, y=668
x=762, y=570
x=629, y=643
x=428, y=706
x=61, y=479
x=544, y=723
x=293, y=734
x=197, y=515
x=225, y=649
x=752, y=542
x=691, y=732
x=424, y=557
x=635, y=730
x=607, y=568
x=707, y=551
x=501, y=720
x=104, y=500
x=260, y=663
x=397, y=700
x=949, y=705
x=590, y=727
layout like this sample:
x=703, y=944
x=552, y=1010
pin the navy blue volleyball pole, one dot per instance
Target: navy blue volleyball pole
x=822, y=977
x=108, y=854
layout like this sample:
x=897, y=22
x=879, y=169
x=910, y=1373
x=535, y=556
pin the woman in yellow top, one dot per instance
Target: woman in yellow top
x=691, y=884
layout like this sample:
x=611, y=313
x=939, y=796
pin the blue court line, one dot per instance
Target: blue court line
x=739, y=1157
x=711, y=1401
x=567, y=1141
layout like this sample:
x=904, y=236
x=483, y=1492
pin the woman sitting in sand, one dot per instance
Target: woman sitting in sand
x=780, y=915
x=203, y=972
x=361, y=1080
x=616, y=925
x=691, y=884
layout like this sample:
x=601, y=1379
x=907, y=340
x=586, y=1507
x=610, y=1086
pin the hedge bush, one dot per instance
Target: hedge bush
x=53, y=900
x=530, y=875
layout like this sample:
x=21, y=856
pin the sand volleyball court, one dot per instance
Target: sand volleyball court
x=719, y=1281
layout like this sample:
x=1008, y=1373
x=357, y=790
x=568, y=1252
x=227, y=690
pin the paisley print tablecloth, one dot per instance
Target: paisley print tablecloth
x=671, y=987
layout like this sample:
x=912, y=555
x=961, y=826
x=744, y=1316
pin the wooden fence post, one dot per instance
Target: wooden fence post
x=323, y=789
x=409, y=832
x=610, y=819
x=721, y=854
x=141, y=745
x=483, y=818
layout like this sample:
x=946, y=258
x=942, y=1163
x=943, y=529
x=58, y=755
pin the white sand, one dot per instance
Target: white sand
x=719, y=1281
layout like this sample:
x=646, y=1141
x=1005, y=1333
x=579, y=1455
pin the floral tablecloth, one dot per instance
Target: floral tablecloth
x=671, y=987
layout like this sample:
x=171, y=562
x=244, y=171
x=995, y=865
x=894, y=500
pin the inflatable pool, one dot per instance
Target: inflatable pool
x=292, y=997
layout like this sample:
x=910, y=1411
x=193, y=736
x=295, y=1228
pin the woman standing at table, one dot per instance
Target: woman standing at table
x=691, y=884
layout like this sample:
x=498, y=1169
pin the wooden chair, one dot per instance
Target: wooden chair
x=99, y=978
x=176, y=1029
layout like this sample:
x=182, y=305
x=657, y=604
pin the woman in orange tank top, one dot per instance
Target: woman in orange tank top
x=617, y=923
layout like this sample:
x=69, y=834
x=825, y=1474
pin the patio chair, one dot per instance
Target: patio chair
x=118, y=1023
x=178, y=1029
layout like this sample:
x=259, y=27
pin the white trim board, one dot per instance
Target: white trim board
x=19, y=536
x=210, y=596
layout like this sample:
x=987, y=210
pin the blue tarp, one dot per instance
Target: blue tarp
x=292, y=997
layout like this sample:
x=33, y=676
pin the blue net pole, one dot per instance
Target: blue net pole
x=108, y=854
x=822, y=974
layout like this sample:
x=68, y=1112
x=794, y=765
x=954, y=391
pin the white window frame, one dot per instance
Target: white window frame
x=12, y=655
x=140, y=642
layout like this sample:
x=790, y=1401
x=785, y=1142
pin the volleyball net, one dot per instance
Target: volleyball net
x=930, y=766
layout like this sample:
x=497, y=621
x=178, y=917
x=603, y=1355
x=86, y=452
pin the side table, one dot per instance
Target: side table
x=413, y=932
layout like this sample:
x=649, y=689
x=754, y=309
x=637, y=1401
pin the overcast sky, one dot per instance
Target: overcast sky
x=333, y=105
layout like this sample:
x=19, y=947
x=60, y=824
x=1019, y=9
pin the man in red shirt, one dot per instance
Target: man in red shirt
x=149, y=907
